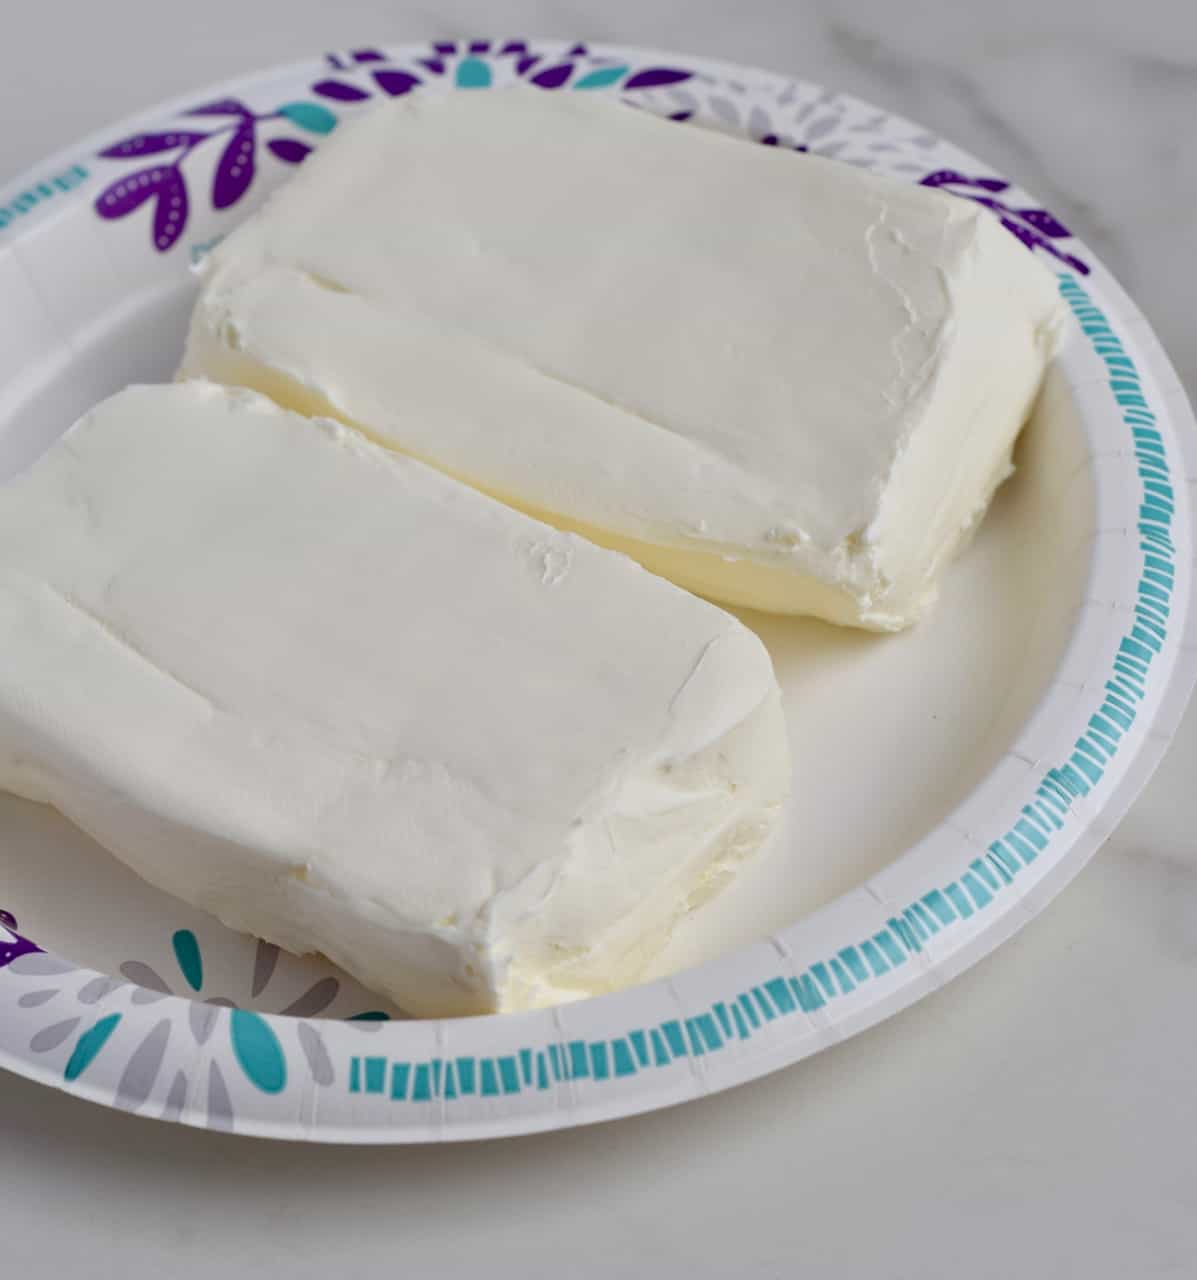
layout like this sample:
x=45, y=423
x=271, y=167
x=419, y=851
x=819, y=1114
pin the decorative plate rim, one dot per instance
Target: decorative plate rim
x=767, y=1005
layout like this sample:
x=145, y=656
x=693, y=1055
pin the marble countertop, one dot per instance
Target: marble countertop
x=1036, y=1117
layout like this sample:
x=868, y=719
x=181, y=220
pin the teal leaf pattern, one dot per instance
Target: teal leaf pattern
x=187, y=953
x=258, y=1051
x=89, y=1045
x=310, y=116
x=473, y=73
x=603, y=78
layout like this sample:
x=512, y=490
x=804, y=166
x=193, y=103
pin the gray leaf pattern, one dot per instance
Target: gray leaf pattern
x=32, y=999
x=759, y=123
x=141, y=1071
x=143, y=976
x=144, y=995
x=820, y=128
x=95, y=990
x=724, y=110
x=52, y=1036
x=201, y=1018
x=315, y=999
x=220, y=1105
x=319, y=1063
x=175, y=1098
x=39, y=963
x=265, y=958
x=683, y=99
x=871, y=125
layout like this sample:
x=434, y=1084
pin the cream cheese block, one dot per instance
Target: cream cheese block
x=777, y=380
x=351, y=706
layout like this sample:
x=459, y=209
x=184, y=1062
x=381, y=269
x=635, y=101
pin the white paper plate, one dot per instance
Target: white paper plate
x=948, y=781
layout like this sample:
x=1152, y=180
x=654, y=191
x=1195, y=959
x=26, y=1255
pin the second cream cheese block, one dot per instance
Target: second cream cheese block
x=352, y=706
x=777, y=380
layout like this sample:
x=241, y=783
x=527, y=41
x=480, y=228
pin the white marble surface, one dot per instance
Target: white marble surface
x=1036, y=1118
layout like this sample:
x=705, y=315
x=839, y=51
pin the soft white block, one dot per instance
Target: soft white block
x=350, y=705
x=778, y=380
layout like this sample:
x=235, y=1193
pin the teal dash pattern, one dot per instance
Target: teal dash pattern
x=38, y=194
x=940, y=910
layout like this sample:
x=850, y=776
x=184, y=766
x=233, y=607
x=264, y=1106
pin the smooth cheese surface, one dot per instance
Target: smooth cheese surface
x=778, y=380
x=350, y=705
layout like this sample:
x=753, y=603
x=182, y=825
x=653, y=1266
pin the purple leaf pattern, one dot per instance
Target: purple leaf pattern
x=553, y=77
x=396, y=83
x=1044, y=223
x=221, y=107
x=170, y=213
x=948, y=177
x=235, y=171
x=289, y=150
x=656, y=77
x=1035, y=228
x=339, y=91
x=234, y=127
x=361, y=75
x=12, y=945
x=131, y=191
x=148, y=144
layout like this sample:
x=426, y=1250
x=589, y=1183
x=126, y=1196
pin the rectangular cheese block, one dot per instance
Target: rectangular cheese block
x=778, y=380
x=352, y=706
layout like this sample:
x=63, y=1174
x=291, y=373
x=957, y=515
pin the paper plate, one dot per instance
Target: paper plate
x=948, y=781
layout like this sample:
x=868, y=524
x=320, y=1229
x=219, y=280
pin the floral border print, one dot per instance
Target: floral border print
x=289, y=132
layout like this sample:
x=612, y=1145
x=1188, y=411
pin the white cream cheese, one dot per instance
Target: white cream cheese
x=777, y=380
x=350, y=705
